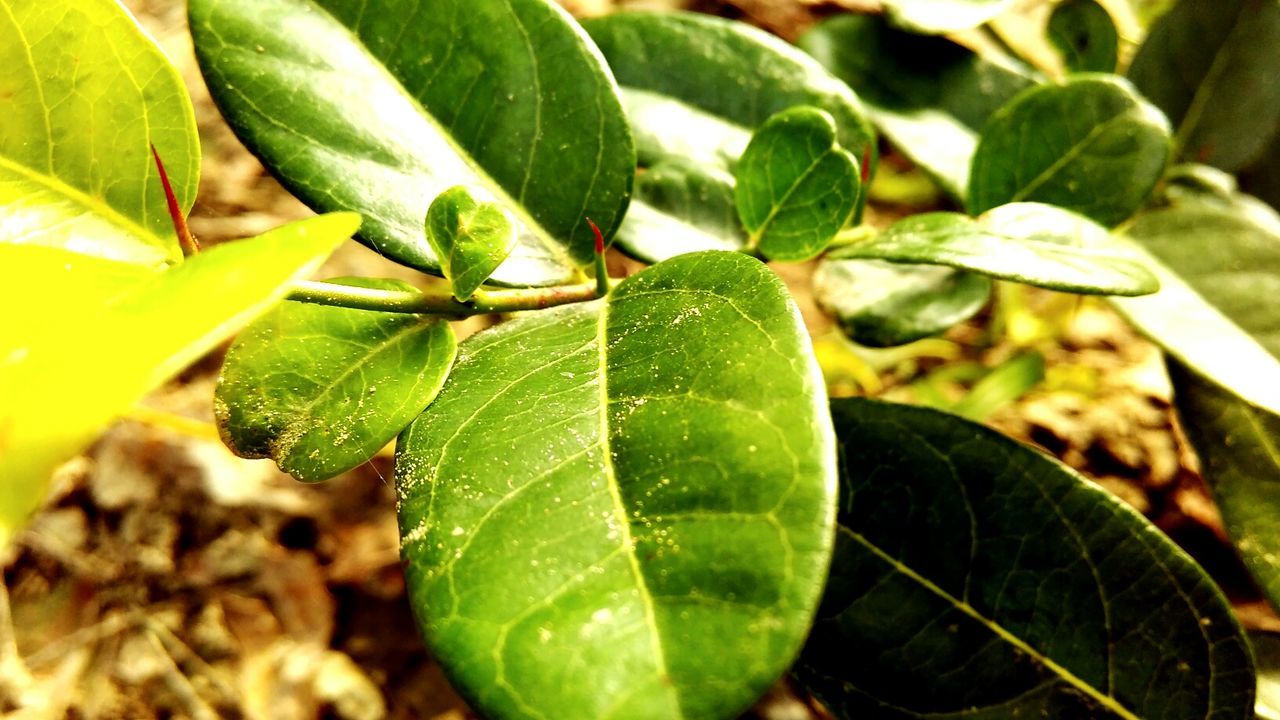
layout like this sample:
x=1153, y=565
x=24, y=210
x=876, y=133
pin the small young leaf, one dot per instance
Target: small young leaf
x=976, y=577
x=928, y=95
x=1085, y=35
x=321, y=389
x=796, y=187
x=605, y=492
x=107, y=354
x=1091, y=145
x=881, y=304
x=381, y=105
x=1006, y=383
x=936, y=17
x=1211, y=65
x=1029, y=243
x=84, y=93
x=470, y=236
x=689, y=119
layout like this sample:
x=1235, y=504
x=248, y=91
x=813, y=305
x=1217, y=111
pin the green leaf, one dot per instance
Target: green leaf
x=1006, y=383
x=796, y=187
x=883, y=304
x=1211, y=65
x=380, y=105
x=1085, y=35
x=928, y=95
x=605, y=492
x=84, y=92
x=935, y=17
x=674, y=68
x=681, y=207
x=131, y=337
x=975, y=577
x=1091, y=145
x=1262, y=178
x=1216, y=317
x=1028, y=243
x=470, y=236
x=320, y=389
x=1266, y=654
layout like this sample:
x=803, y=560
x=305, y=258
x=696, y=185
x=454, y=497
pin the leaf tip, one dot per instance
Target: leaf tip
x=595, y=230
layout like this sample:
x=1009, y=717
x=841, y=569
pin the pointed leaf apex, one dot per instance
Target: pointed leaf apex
x=599, y=237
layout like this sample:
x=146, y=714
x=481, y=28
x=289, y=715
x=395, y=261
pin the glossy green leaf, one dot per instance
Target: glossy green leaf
x=471, y=236
x=883, y=304
x=623, y=509
x=1091, y=145
x=1028, y=243
x=380, y=105
x=1216, y=316
x=976, y=577
x=321, y=389
x=1266, y=654
x=928, y=95
x=84, y=92
x=1085, y=35
x=680, y=206
x=1211, y=65
x=696, y=87
x=796, y=187
x=107, y=354
x=936, y=17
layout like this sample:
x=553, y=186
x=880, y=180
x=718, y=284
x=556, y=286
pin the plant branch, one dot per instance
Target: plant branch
x=440, y=303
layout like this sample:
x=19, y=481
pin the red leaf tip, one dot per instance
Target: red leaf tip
x=185, y=239
x=866, y=163
x=599, y=237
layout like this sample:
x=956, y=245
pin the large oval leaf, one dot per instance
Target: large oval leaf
x=84, y=93
x=623, y=509
x=1029, y=243
x=1091, y=145
x=975, y=577
x=321, y=389
x=1216, y=316
x=1211, y=65
x=127, y=337
x=882, y=304
x=381, y=105
x=675, y=69
x=928, y=95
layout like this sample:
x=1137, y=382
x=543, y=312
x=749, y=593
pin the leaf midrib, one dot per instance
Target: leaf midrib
x=1000, y=631
x=96, y=205
x=1071, y=154
x=619, y=508
x=1206, y=89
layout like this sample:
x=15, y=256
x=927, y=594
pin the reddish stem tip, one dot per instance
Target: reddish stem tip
x=866, y=163
x=185, y=238
x=599, y=237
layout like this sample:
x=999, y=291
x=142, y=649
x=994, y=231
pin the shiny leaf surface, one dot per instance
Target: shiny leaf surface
x=943, y=16
x=1028, y=243
x=380, y=105
x=695, y=88
x=604, y=491
x=796, y=187
x=1211, y=65
x=84, y=92
x=928, y=95
x=976, y=577
x=138, y=334
x=881, y=304
x=1091, y=145
x=470, y=235
x=320, y=389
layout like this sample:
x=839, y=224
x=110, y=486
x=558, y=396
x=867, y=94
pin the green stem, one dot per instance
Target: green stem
x=440, y=303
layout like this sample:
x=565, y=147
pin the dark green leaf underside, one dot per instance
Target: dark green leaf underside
x=882, y=304
x=603, y=492
x=975, y=577
x=1084, y=35
x=321, y=389
x=380, y=105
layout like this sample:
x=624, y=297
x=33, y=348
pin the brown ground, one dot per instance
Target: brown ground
x=170, y=579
